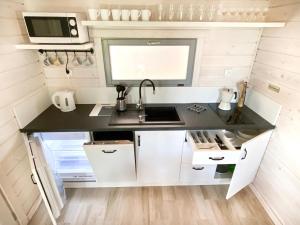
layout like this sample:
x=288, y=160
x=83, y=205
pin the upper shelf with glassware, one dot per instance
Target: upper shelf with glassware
x=182, y=16
x=176, y=25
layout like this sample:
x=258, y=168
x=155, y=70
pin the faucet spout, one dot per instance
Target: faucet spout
x=139, y=105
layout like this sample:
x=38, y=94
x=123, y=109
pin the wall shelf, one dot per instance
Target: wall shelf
x=142, y=25
x=62, y=47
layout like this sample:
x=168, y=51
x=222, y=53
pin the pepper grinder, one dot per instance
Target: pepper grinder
x=243, y=89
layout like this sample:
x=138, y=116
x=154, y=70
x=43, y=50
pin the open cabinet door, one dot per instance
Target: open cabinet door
x=50, y=185
x=245, y=171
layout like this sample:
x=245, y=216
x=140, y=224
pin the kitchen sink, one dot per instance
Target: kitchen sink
x=161, y=114
x=151, y=115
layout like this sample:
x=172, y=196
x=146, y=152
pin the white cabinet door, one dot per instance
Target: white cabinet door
x=50, y=186
x=251, y=155
x=194, y=174
x=112, y=162
x=6, y=215
x=159, y=156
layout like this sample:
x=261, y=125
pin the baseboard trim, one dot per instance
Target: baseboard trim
x=276, y=220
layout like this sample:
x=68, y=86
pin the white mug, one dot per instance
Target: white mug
x=135, y=14
x=93, y=14
x=104, y=14
x=116, y=14
x=146, y=14
x=125, y=14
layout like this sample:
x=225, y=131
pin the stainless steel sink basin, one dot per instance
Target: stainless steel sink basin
x=151, y=115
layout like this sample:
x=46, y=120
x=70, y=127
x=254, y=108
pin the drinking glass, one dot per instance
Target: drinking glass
x=249, y=14
x=180, y=12
x=171, y=12
x=264, y=13
x=211, y=11
x=160, y=12
x=191, y=12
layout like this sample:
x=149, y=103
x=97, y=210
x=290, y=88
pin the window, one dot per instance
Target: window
x=168, y=62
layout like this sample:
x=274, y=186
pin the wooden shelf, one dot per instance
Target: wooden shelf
x=141, y=25
x=31, y=46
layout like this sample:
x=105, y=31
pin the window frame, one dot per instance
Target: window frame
x=191, y=42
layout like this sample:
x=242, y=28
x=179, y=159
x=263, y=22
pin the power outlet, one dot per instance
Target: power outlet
x=274, y=88
x=228, y=73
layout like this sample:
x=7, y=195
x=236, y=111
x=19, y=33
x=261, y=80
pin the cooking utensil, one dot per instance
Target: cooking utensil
x=220, y=142
x=119, y=89
x=205, y=133
x=200, y=137
x=122, y=91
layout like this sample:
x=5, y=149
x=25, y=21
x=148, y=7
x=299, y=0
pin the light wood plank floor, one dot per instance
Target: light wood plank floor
x=194, y=205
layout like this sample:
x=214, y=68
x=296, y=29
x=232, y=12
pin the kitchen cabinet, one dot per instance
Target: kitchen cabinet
x=159, y=156
x=194, y=174
x=252, y=153
x=247, y=158
x=113, y=162
x=6, y=215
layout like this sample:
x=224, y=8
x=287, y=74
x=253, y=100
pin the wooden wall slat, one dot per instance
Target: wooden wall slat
x=277, y=62
x=20, y=75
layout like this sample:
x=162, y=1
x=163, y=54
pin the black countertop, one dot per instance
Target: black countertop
x=53, y=120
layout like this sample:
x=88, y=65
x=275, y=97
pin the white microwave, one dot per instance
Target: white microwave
x=55, y=28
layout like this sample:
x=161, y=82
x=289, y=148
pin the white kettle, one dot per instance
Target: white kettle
x=64, y=100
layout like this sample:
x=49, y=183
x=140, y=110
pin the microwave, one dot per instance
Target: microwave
x=55, y=28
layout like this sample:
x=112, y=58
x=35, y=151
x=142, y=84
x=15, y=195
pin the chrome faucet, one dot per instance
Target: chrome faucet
x=139, y=105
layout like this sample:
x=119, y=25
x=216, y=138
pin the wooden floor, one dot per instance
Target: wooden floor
x=158, y=206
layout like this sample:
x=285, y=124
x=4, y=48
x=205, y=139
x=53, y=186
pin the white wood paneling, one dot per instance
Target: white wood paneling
x=222, y=49
x=219, y=62
x=20, y=76
x=277, y=63
x=265, y=107
x=37, y=102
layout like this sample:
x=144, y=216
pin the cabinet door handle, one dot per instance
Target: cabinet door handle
x=139, y=140
x=216, y=158
x=105, y=151
x=244, y=157
x=198, y=168
x=32, y=179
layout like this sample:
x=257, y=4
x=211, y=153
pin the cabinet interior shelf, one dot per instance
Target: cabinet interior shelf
x=62, y=47
x=144, y=25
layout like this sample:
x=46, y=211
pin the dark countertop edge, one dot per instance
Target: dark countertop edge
x=143, y=128
x=264, y=126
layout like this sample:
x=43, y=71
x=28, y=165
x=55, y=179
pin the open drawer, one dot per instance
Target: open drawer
x=211, y=147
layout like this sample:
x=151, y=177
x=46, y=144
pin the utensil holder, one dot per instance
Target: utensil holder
x=121, y=104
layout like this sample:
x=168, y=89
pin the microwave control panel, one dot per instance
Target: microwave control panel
x=73, y=26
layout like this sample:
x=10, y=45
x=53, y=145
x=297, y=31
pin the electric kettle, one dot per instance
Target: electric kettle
x=226, y=97
x=64, y=100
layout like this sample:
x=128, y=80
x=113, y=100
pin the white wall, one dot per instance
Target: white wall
x=20, y=77
x=277, y=62
x=225, y=57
